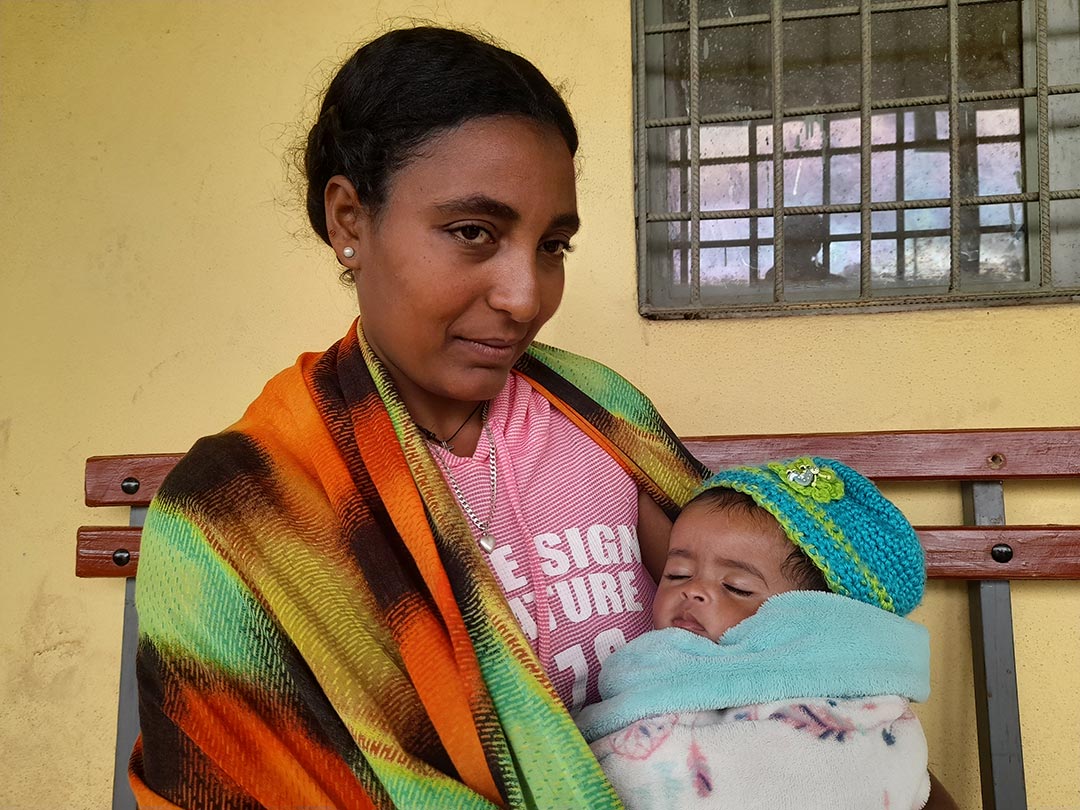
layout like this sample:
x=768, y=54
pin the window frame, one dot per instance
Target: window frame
x=1035, y=93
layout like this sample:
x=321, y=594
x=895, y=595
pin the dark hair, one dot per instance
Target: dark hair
x=797, y=567
x=405, y=87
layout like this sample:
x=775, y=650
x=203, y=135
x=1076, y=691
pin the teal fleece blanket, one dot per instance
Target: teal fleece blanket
x=799, y=644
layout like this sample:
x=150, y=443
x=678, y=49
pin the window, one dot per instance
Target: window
x=815, y=155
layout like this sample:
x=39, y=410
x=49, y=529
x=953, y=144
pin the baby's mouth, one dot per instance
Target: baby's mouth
x=689, y=623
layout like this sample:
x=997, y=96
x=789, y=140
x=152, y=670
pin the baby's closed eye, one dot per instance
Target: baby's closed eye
x=737, y=591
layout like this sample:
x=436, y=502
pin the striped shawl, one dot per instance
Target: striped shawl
x=319, y=630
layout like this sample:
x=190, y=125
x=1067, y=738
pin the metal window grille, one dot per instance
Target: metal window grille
x=919, y=129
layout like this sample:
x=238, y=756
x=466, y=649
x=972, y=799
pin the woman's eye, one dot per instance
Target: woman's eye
x=472, y=234
x=737, y=591
x=556, y=247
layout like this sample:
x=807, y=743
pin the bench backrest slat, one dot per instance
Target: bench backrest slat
x=958, y=455
x=952, y=552
x=955, y=455
x=1035, y=552
x=105, y=477
x=107, y=551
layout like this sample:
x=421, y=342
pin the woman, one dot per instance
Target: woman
x=386, y=584
x=363, y=592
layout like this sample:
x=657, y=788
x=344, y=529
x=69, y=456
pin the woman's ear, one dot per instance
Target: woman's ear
x=343, y=220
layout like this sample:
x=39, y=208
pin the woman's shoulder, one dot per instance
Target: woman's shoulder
x=212, y=464
x=271, y=426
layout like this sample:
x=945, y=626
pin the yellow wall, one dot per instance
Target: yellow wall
x=156, y=271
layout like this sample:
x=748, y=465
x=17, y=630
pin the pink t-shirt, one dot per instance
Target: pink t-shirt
x=566, y=551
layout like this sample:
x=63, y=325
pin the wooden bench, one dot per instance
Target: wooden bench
x=985, y=551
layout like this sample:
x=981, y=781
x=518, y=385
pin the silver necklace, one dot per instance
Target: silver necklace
x=487, y=539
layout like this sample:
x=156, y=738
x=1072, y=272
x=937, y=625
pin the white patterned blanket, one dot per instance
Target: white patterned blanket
x=850, y=754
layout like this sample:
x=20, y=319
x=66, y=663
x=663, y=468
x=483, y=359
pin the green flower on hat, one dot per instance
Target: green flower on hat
x=803, y=477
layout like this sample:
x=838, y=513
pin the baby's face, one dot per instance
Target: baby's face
x=721, y=566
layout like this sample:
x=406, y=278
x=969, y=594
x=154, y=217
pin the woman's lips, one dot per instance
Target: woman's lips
x=496, y=350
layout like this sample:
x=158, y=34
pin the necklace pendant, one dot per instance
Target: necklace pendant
x=487, y=542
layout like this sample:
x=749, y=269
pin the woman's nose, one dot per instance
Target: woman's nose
x=515, y=288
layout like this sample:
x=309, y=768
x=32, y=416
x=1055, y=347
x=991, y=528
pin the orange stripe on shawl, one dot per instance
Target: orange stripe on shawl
x=274, y=765
x=419, y=633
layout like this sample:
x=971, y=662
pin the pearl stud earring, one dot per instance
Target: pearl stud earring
x=348, y=252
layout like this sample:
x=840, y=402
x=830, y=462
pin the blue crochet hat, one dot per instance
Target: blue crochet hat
x=862, y=543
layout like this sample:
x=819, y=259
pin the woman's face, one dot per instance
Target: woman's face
x=464, y=263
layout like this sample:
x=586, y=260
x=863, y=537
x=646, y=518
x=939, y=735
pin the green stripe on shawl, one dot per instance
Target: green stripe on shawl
x=193, y=603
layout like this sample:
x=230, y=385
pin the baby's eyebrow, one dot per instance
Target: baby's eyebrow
x=742, y=565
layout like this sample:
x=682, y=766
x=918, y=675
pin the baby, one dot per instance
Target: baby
x=780, y=671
